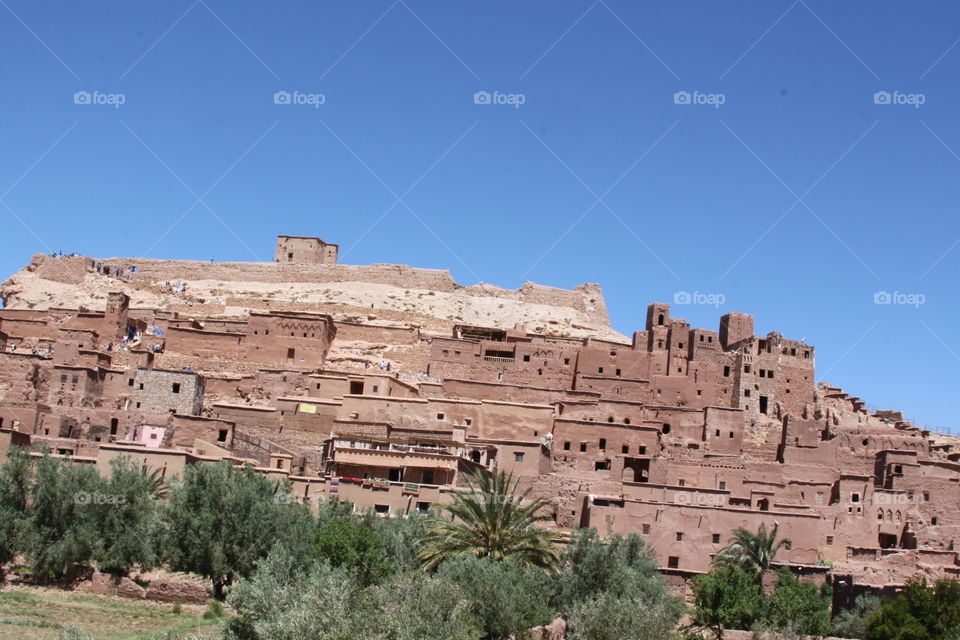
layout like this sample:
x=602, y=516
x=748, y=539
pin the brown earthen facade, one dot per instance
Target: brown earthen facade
x=681, y=434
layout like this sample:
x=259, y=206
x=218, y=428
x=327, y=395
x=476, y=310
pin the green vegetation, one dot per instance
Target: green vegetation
x=919, y=613
x=49, y=614
x=492, y=520
x=751, y=552
x=479, y=568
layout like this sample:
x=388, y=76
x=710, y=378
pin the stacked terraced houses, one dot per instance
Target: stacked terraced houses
x=679, y=434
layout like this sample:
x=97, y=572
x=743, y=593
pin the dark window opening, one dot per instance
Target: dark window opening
x=518, y=457
x=395, y=475
x=566, y=445
x=583, y=446
x=646, y=529
x=666, y=429
x=603, y=443
x=660, y=319
x=679, y=536
x=427, y=476
x=291, y=353
x=625, y=449
x=381, y=508
x=356, y=388
x=114, y=423
x=726, y=371
x=423, y=507
x=763, y=405
x=176, y=387
x=222, y=435
x=673, y=562
x=716, y=538
x=601, y=465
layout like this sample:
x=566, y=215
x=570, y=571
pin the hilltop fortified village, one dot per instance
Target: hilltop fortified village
x=388, y=386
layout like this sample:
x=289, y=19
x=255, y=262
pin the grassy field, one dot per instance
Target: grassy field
x=43, y=614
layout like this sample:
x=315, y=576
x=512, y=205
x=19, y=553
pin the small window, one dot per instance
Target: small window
x=222, y=435
x=926, y=496
x=440, y=416
x=583, y=446
x=603, y=443
x=673, y=562
x=566, y=361
x=679, y=536
x=855, y=497
x=646, y=529
x=176, y=387
x=681, y=483
x=566, y=445
x=726, y=372
x=599, y=369
x=723, y=485
x=642, y=450
x=63, y=379
x=76, y=379
x=716, y=538
x=526, y=358
x=934, y=521
x=518, y=456
x=468, y=421
x=666, y=429
x=140, y=386
x=129, y=382
x=375, y=388
x=423, y=507
x=625, y=449
x=381, y=508
x=746, y=368
x=829, y=540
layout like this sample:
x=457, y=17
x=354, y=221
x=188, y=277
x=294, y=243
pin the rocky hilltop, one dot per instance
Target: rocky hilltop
x=381, y=293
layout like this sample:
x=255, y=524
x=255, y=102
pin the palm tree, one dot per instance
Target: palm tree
x=752, y=552
x=491, y=520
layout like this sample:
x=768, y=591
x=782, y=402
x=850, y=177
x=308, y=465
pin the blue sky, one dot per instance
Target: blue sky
x=738, y=151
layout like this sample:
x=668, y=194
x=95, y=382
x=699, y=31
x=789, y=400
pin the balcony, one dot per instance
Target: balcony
x=499, y=359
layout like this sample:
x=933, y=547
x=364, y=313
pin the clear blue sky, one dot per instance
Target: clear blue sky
x=796, y=199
